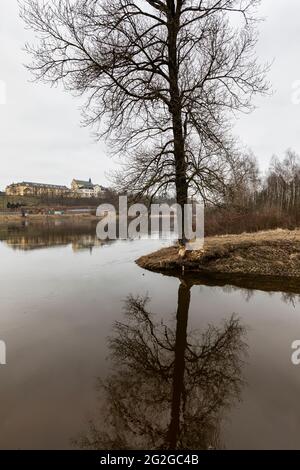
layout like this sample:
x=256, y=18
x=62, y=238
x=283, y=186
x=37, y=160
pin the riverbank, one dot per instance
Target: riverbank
x=268, y=253
x=70, y=216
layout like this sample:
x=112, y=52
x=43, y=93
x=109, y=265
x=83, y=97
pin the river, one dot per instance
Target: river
x=103, y=354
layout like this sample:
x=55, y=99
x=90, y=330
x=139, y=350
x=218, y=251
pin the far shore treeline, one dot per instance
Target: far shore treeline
x=260, y=202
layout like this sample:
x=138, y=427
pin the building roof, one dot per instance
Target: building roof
x=84, y=184
x=87, y=184
x=39, y=185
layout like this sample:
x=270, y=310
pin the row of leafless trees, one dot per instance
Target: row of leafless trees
x=282, y=185
x=279, y=188
x=259, y=202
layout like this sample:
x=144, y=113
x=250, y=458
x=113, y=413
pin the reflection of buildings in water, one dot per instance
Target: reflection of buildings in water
x=169, y=388
x=37, y=237
x=34, y=242
x=86, y=242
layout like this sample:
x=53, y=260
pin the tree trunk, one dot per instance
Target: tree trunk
x=176, y=113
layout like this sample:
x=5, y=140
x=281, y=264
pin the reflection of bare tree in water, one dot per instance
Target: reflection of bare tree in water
x=169, y=388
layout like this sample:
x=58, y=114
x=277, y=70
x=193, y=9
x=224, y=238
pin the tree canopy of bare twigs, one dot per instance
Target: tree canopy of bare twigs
x=162, y=80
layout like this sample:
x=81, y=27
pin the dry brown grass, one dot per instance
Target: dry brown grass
x=272, y=253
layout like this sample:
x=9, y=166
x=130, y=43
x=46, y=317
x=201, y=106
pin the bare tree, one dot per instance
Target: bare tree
x=282, y=184
x=243, y=190
x=161, y=78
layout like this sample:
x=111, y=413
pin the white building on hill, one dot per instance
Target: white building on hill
x=87, y=188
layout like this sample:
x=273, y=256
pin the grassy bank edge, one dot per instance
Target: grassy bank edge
x=266, y=253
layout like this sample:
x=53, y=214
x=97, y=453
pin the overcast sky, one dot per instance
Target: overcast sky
x=41, y=139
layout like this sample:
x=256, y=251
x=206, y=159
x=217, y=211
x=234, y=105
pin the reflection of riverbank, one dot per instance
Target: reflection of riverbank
x=31, y=236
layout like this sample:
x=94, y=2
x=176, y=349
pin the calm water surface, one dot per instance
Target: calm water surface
x=101, y=353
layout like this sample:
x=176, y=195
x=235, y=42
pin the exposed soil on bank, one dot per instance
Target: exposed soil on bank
x=271, y=253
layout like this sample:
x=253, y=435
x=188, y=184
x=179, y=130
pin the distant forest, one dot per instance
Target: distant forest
x=260, y=202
